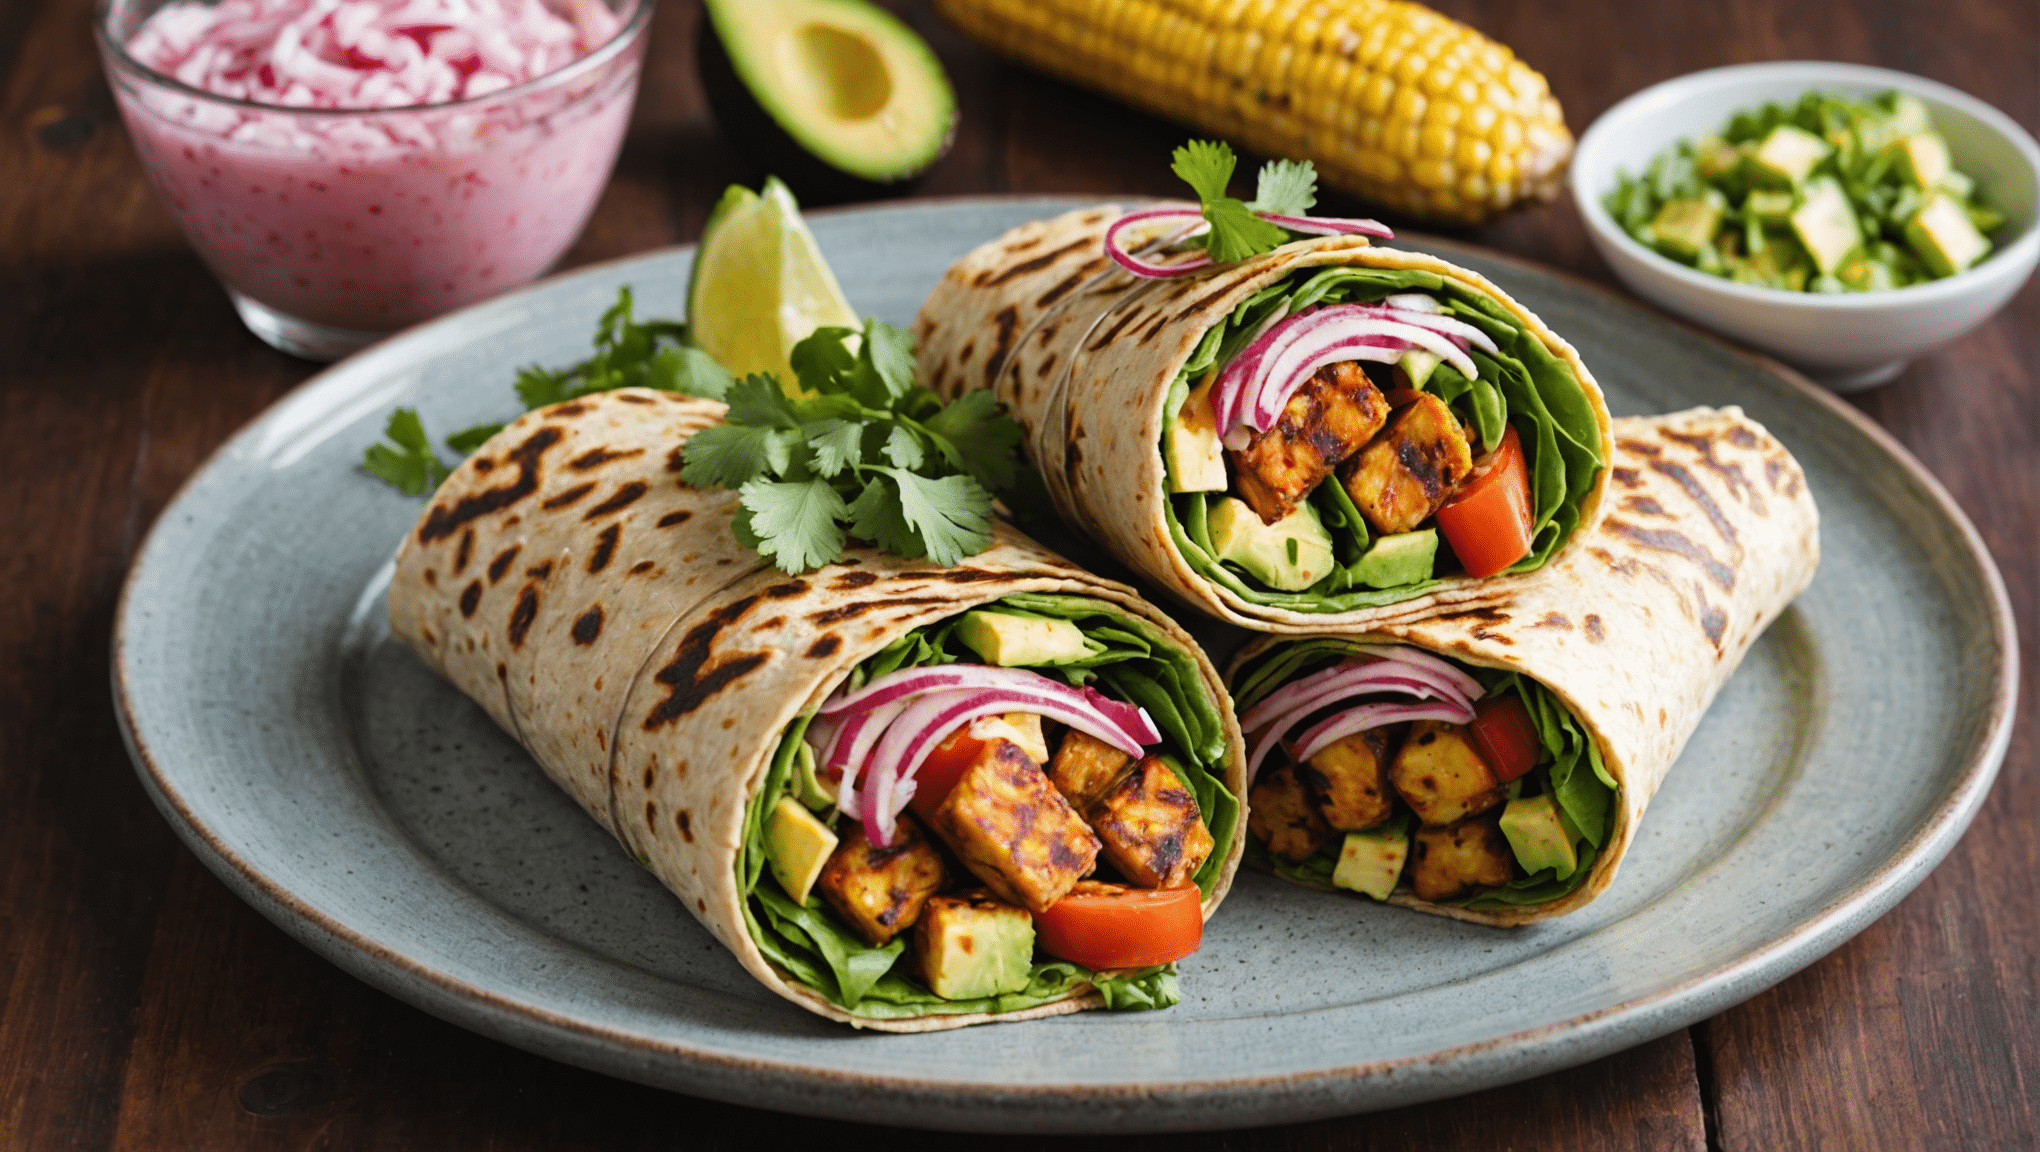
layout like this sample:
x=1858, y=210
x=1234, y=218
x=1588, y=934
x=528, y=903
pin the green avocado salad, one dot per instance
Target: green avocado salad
x=1452, y=442
x=932, y=922
x=1825, y=195
x=1385, y=769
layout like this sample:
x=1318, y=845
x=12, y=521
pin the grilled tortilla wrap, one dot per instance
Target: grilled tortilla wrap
x=602, y=613
x=1096, y=364
x=1710, y=533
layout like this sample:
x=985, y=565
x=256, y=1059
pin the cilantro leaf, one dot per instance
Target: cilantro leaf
x=1236, y=233
x=796, y=523
x=885, y=364
x=690, y=371
x=822, y=361
x=876, y=516
x=467, y=440
x=837, y=444
x=412, y=465
x=731, y=455
x=757, y=399
x=1286, y=188
x=952, y=514
x=903, y=448
x=1205, y=165
x=977, y=439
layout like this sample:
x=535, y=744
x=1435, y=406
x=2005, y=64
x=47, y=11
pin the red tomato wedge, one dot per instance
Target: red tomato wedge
x=1110, y=926
x=1506, y=736
x=1488, y=521
x=944, y=766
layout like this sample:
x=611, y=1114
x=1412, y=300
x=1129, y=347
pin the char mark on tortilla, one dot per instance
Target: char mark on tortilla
x=443, y=522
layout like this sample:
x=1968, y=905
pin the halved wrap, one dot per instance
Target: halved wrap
x=1407, y=778
x=1288, y=443
x=660, y=672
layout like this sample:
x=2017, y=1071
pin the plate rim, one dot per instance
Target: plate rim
x=478, y=1007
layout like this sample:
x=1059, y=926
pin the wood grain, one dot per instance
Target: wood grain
x=142, y=1006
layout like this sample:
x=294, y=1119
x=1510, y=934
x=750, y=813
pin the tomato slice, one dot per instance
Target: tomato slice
x=944, y=766
x=1111, y=926
x=1488, y=521
x=1506, y=736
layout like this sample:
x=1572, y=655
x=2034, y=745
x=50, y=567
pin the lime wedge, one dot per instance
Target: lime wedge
x=760, y=285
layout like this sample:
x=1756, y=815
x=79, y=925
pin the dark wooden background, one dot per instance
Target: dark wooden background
x=143, y=1006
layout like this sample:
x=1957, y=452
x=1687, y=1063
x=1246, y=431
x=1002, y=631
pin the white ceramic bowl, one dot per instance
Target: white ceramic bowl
x=1847, y=341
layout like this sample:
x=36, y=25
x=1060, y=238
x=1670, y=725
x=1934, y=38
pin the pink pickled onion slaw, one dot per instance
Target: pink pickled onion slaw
x=883, y=731
x=361, y=54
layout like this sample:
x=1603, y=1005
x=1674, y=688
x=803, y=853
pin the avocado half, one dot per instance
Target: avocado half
x=837, y=97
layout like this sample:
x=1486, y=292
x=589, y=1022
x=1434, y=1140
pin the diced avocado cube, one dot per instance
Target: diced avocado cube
x=1403, y=558
x=1865, y=274
x=1908, y=115
x=1372, y=861
x=1958, y=185
x=805, y=786
x=1289, y=555
x=1826, y=225
x=1686, y=225
x=1195, y=456
x=1418, y=365
x=1922, y=158
x=1540, y=835
x=1786, y=157
x=1943, y=236
x=797, y=845
x=1009, y=640
x=1772, y=207
x=1715, y=158
x=973, y=945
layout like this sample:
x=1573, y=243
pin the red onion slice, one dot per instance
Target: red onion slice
x=1330, y=225
x=1397, y=669
x=1460, y=331
x=1366, y=716
x=1144, y=268
x=1402, y=653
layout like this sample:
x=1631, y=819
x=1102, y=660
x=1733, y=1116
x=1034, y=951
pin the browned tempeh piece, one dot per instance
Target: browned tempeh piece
x=1280, y=815
x=1398, y=481
x=1349, y=778
x=1151, y=828
x=1442, y=775
x=1449, y=862
x=881, y=890
x=1013, y=830
x=1329, y=418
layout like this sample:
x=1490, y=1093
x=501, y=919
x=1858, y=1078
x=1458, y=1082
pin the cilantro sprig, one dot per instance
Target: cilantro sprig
x=628, y=354
x=1285, y=188
x=867, y=453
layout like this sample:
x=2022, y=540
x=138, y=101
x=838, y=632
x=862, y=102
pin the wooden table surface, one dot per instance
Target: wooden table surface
x=143, y=1006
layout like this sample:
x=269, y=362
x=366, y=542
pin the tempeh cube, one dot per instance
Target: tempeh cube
x=1151, y=828
x=1349, y=778
x=1014, y=831
x=1281, y=815
x=1447, y=863
x=1442, y=775
x=1400, y=480
x=1085, y=768
x=1329, y=418
x=881, y=891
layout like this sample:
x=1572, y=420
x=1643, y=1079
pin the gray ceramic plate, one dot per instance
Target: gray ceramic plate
x=374, y=813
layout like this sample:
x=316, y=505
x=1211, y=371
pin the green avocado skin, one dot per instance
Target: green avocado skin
x=746, y=125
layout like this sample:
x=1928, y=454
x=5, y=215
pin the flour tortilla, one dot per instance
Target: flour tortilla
x=602, y=613
x=1709, y=534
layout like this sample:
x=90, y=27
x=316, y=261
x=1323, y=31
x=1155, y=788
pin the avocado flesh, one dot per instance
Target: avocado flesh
x=1289, y=555
x=1685, y=225
x=1403, y=558
x=1786, y=157
x=1770, y=207
x=1943, y=237
x=1009, y=641
x=973, y=947
x=1371, y=862
x=1418, y=365
x=1826, y=225
x=1923, y=159
x=831, y=94
x=1196, y=458
x=1540, y=835
x=797, y=845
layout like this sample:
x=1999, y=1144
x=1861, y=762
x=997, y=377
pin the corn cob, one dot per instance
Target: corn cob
x=1391, y=100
